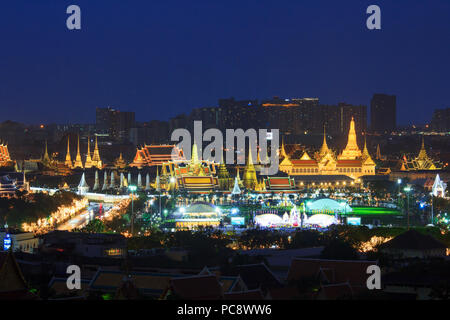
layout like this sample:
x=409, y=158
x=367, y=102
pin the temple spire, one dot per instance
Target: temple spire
x=139, y=180
x=423, y=152
x=367, y=159
x=250, y=180
x=83, y=187
x=147, y=182
x=352, y=150
x=283, y=150
x=105, y=181
x=96, y=160
x=78, y=163
x=68, y=161
x=378, y=152
x=236, y=189
x=324, y=149
x=46, y=158
x=97, y=182
x=194, y=155
x=88, y=162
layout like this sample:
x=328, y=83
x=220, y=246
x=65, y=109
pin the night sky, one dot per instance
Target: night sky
x=163, y=58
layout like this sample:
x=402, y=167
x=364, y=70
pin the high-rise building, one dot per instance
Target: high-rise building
x=114, y=122
x=347, y=112
x=151, y=132
x=441, y=120
x=383, y=113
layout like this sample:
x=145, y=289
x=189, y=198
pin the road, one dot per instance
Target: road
x=79, y=221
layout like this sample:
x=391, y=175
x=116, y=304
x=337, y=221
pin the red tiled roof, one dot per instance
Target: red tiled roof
x=304, y=162
x=197, y=288
x=348, y=163
x=353, y=271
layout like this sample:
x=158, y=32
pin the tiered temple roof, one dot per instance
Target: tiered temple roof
x=351, y=162
x=5, y=158
x=154, y=155
x=421, y=162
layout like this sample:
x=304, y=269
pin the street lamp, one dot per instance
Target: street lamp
x=407, y=190
x=399, y=182
x=132, y=189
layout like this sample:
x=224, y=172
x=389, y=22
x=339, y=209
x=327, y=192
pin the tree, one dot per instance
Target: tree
x=94, y=226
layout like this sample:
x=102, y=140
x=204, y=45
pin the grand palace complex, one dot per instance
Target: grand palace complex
x=165, y=167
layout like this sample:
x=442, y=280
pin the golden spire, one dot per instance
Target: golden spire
x=283, y=150
x=78, y=163
x=250, y=179
x=378, y=152
x=324, y=149
x=46, y=158
x=423, y=152
x=88, y=163
x=352, y=150
x=367, y=159
x=68, y=161
x=96, y=160
x=194, y=155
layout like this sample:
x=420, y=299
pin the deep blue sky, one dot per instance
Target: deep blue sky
x=162, y=58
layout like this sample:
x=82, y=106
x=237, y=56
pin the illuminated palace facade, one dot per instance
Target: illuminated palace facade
x=193, y=176
x=156, y=155
x=5, y=158
x=351, y=162
x=421, y=162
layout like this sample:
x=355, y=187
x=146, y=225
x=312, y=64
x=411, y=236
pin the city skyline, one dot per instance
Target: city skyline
x=133, y=58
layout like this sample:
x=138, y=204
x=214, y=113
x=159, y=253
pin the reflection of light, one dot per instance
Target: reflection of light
x=234, y=210
x=182, y=209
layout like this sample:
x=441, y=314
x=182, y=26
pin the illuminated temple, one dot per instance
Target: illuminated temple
x=351, y=162
x=193, y=176
x=5, y=158
x=156, y=155
x=93, y=161
x=421, y=162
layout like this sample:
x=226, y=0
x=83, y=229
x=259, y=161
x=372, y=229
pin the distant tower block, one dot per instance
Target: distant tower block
x=105, y=181
x=96, y=183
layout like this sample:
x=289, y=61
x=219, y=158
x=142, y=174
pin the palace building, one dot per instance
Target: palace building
x=156, y=155
x=5, y=158
x=421, y=162
x=192, y=176
x=351, y=162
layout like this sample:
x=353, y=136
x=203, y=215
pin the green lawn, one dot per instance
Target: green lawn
x=374, y=211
